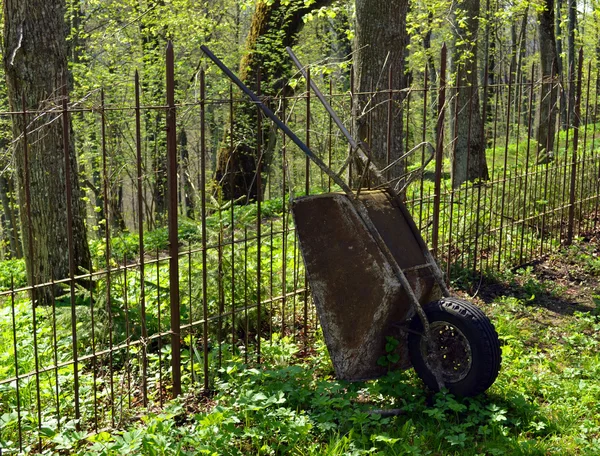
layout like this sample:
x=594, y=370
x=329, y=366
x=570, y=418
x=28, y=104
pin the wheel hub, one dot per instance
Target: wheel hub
x=453, y=349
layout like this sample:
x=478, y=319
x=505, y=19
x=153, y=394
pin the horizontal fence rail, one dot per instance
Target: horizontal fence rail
x=184, y=279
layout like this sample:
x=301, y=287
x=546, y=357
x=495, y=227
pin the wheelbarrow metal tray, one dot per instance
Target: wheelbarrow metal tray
x=358, y=297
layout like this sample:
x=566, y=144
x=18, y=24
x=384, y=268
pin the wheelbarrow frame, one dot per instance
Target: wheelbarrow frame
x=361, y=150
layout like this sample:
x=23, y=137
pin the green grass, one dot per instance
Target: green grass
x=545, y=400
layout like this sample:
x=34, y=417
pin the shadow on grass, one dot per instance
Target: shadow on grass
x=527, y=285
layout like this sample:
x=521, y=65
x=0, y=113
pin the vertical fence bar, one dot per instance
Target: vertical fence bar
x=220, y=289
x=172, y=221
x=464, y=249
x=31, y=260
x=17, y=380
x=55, y=349
x=492, y=177
x=69, y=196
x=329, y=135
x=576, y=122
x=505, y=171
x=404, y=163
x=583, y=188
x=140, y=189
x=271, y=258
x=94, y=357
x=107, y=254
x=484, y=115
x=284, y=211
x=595, y=157
x=307, y=191
x=423, y=139
x=232, y=221
x=193, y=377
x=563, y=196
x=259, y=150
x=527, y=157
x=246, y=339
x=127, y=331
x=307, y=160
x=438, y=153
x=389, y=121
x=296, y=273
x=546, y=164
x=159, y=329
x=448, y=234
x=515, y=179
x=203, y=221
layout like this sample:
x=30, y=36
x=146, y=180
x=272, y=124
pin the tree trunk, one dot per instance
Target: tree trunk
x=35, y=62
x=380, y=45
x=546, y=114
x=275, y=25
x=468, y=161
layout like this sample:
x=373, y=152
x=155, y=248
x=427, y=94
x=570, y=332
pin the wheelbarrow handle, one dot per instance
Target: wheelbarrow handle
x=324, y=102
x=360, y=148
x=271, y=115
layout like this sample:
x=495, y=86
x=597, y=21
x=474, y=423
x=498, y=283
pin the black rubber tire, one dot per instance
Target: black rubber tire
x=476, y=342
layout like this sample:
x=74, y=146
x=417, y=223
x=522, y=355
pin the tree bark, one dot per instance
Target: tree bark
x=35, y=62
x=468, y=161
x=380, y=45
x=275, y=25
x=546, y=114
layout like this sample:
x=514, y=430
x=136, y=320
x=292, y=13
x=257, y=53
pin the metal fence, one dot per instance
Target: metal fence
x=170, y=301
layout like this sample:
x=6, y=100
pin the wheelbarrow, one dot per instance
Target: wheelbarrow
x=372, y=277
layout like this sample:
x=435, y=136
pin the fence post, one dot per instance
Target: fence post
x=438, y=152
x=140, y=220
x=172, y=223
x=576, y=121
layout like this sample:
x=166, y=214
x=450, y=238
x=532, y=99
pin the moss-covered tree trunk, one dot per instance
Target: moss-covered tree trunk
x=35, y=62
x=275, y=25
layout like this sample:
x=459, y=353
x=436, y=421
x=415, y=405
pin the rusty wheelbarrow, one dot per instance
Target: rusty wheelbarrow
x=372, y=276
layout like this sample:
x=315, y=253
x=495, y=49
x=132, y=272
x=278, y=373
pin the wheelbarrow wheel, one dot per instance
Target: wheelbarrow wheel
x=467, y=345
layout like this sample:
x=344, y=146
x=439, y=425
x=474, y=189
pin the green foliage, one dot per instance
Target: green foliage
x=12, y=273
x=543, y=403
x=391, y=357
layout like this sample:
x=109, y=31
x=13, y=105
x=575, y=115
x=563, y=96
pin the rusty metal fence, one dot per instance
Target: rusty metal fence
x=175, y=295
